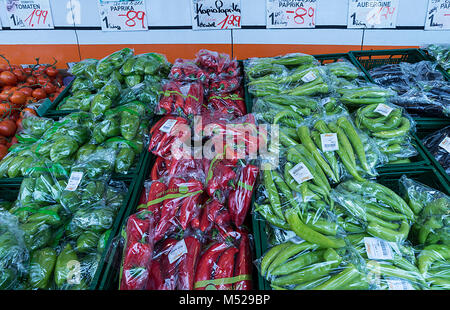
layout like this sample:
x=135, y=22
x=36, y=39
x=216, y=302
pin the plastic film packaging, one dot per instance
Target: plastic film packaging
x=437, y=143
x=431, y=207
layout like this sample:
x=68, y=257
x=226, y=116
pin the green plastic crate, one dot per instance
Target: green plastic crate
x=419, y=161
x=428, y=176
x=375, y=58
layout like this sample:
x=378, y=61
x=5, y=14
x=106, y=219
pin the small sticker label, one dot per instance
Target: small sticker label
x=445, y=144
x=309, y=77
x=168, y=125
x=329, y=142
x=300, y=173
x=377, y=248
x=177, y=251
x=399, y=285
x=74, y=181
x=383, y=109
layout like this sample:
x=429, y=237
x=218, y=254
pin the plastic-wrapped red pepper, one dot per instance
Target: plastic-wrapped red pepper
x=165, y=133
x=240, y=198
x=226, y=85
x=158, y=168
x=227, y=104
x=225, y=269
x=172, y=98
x=221, y=180
x=206, y=264
x=212, y=60
x=190, y=205
x=209, y=214
x=138, y=227
x=186, y=70
x=243, y=267
x=186, y=267
x=157, y=190
x=194, y=99
x=169, y=269
x=155, y=281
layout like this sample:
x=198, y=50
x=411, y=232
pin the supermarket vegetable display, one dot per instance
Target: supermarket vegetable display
x=70, y=193
x=189, y=231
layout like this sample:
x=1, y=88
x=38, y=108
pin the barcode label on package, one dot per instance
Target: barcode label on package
x=329, y=142
x=399, y=285
x=168, y=125
x=309, y=77
x=377, y=248
x=74, y=181
x=445, y=144
x=300, y=173
x=177, y=251
x=383, y=109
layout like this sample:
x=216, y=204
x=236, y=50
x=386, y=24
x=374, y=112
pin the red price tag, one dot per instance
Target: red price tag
x=123, y=15
x=37, y=17
x=29, y=14
x=233, y=21
x=132, y=16
x=288, y=14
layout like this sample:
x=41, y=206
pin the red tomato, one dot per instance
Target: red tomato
x=27, y=71
x=8, y=78
x=18, y=98
x=4, y=95
x=26, y=90
x=8, y=128
x=3, y=151
x=51, y=71
x=20, y=75
x=39, y=93
x=5, y=108
x=3, y=67
x=31, y=80
x=3, y=140
x=30, y=100
x=19, y=124
x=49, y=88
x=43, y=79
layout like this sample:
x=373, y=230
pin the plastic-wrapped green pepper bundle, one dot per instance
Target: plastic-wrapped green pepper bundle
x=82, y=84
x=147, y=92
x=389, y=265
x=85, y=68
x=367, y=206
x=16, y=163
x=33, y=127
x=115, y=61
x=390, y=127
x=432, y=225
x=80, y=100
x=338, y=146
x=135, y=68
x=13, y=253
x=343, y=69
x=363, y=94
x=306, y=266
x=433, y=262
x=105, y=98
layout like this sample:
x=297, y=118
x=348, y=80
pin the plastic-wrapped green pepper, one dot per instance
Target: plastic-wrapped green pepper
x=85, y=151
x=66, y=264
x=41, y=267
x=63, y=147
x=42, y=189
x=82, y=84
x=36, y=126
x=127, y=68
x=96, y=219
x=93, y=191
x=26, y=191
x=130, y=119
x=70, y=200
x=111, y=89
x=124, y=159
x=4, y=165
x=98, y=81
x=110, y=127
x=36, y=236
x=133, y=80
x=87, y=241
x=47, y=215
x=103, y=240
x=86, y=67
x=100, y=103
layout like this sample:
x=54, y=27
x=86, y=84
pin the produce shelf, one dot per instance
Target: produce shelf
x=428, y=176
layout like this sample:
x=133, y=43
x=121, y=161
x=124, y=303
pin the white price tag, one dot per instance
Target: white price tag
x=291, y=14
x=212, y=14
x=177, y=251
x=74, y=181
x=122, y=15
x=300, y=173
x=378, y=248
x=29, y=14
x=309, y=77
x=168, y=125
x=383, y=109
x=438, y=15
x=399, y=284
x=445, y=144
x=372, y=13
x=329, y=142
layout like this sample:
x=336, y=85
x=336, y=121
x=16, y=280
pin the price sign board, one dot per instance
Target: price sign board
x=29, y=14
x=438, y=15
x=372, y=13
x=216, y=14
x=291, y=14
x=122, y=15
